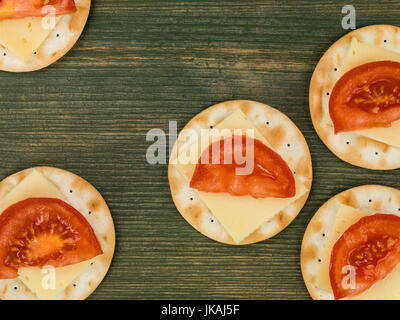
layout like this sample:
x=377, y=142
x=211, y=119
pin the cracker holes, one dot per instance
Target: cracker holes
x=398, y=209
x=35, y=52
x=323, y=235
x=212, y=220
x=385, y=41
x=4, y=54
x=57, y=35
x=376, y=153
x=288, y=145
x=335, y=69
x=328, y=93
x=267, y=123
x=347, y=142
x=211, y=127
x=74, y=285
x=15, y=288
x=191, y=199
x=70, y=191
x=319, y=260
x=90, y=212
x=370, y=200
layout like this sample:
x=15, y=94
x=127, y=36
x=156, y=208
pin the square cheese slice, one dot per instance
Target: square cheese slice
x=24, y=36
x=361, y=53
x=239, y=215
x=47, y=283
x=387, y=288
x=390, y=136
x=36, y=185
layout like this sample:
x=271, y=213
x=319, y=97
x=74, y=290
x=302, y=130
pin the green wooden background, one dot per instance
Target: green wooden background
x=142, y=63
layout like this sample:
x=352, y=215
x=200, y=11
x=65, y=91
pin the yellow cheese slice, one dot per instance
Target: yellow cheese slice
x=361, y=53
x=48, y=282
x=239, y=215
x=387, y=288
x=33, y=186
x=242, y=215
x=390, y=136
x=24, y=36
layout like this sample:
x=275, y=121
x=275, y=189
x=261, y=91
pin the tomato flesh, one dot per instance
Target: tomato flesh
x=367, y=96
x=270, y=177
x=16, y=9
x=371, y=247
x=44, y=231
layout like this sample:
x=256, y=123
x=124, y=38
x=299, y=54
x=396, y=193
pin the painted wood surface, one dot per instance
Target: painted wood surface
x=140, y=64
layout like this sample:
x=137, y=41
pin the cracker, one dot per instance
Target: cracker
x=349, y=146
x=383, y=200
x=85, y=198
x=53, y=48
x=284, y=137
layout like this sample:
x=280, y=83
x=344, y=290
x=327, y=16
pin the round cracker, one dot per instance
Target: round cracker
x=284, y=137
x=383, y=200
x=54, y=47
x=349, y=146
x=89, y=202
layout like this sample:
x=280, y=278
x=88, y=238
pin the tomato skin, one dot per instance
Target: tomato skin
x=16, y=9
x=366, y=97
x=271, y=176
x=44, y=231
x=372, y=247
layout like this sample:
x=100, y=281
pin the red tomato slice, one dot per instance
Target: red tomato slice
x=367, y=96
x=270, y=177
x=15, y=9
x=371, y=247
x=44, y=231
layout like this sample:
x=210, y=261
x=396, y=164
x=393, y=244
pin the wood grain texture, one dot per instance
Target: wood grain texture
x=142, y=63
